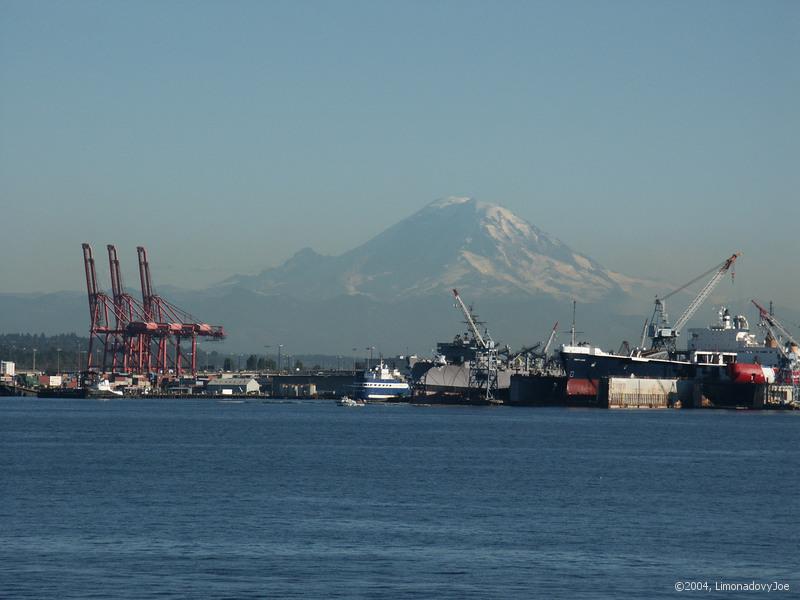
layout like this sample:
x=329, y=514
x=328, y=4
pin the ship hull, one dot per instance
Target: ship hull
x=728, y=394
x=537, y=390
x=382, y=392
x=454, y=379
x=592, y=367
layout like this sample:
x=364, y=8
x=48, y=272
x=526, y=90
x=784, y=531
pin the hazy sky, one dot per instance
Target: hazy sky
x=656, y=137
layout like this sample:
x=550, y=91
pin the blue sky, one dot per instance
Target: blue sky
x=656, y=137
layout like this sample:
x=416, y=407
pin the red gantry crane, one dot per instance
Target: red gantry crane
x=101, y=307
x=141, y=331
x=130, y=347
x=173, y=325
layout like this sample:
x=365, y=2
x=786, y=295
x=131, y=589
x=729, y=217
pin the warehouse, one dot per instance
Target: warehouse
x=233, y=386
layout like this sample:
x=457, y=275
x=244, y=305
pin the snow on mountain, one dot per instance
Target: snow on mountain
x=483, y=248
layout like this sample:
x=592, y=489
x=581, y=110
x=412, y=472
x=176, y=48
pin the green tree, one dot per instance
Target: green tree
x=227, y=365
x=252, y=361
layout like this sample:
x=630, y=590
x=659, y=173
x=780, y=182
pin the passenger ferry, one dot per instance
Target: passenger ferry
x=381, y=383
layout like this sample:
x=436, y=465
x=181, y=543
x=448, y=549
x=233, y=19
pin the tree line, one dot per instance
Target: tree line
x=67, y=352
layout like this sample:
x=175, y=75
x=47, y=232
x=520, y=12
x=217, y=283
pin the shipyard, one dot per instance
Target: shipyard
x=146, y=346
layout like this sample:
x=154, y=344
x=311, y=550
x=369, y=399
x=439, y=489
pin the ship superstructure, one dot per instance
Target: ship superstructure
x=732, y=334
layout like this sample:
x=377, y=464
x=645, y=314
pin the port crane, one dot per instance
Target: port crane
x=550, y=340
x=483, y=344
x=545, y=364
x=101, y=307
x=129, y=350
x=483, y=370
x=173, y=324
x=774, y=327
x=535, y=356
x=784, y=339
x=662, y=334
x=126, y=328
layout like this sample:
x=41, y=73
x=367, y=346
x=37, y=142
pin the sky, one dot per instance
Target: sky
x=655, y=137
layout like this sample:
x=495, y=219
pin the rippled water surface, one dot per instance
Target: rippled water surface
x=146, y=498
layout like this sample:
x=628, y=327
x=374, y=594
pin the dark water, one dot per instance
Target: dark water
x=201, y=499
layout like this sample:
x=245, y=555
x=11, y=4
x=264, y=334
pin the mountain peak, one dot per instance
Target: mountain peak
x=305, y=255
x=487, y=212
x=451, y=201
x=456, y=241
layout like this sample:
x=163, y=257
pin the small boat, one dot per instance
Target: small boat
x=102, y=389
x=347, y=401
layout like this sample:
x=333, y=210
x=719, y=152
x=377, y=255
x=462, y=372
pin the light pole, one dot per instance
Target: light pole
x=58, y=361
x=266, y=357
x=280, y=347
x=34, y=359
x=370, y=348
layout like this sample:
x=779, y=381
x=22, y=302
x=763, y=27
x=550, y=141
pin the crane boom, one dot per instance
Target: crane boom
x=550, y=340
x=664, y=335
x=470, y=321
x=774, y=325
x=705, y=292
x=144, y=278
x=91, y=279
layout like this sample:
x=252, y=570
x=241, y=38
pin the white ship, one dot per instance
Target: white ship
x=732, y=334
x=381, y=383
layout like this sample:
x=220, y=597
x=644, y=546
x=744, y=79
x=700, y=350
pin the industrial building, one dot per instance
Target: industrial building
x=233, y=386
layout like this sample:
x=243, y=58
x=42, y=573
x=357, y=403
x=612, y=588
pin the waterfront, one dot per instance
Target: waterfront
x=138, y=498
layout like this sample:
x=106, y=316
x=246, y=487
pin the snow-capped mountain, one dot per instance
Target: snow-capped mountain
x=458, y=242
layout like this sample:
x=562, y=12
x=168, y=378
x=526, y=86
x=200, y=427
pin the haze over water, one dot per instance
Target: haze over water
x=136, y=498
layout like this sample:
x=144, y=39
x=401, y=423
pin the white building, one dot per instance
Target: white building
x=233, y=385
x=7, y=368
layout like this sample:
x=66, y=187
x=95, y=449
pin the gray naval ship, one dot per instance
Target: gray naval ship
x=449, y=371
x=473, y=364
